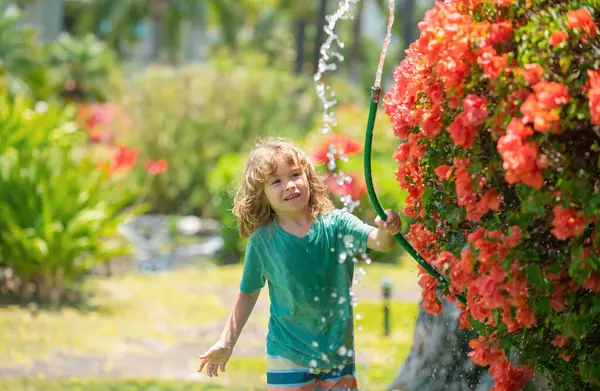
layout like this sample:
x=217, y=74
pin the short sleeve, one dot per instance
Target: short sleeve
x=359, y=231
x=252, y=277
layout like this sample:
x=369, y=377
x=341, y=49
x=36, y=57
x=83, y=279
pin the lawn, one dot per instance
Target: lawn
x=152, y=326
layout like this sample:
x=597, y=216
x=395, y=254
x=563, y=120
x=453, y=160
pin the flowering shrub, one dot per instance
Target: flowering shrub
x=59, y=213
x=498, y=107
x=330, y=152
x=103, y=121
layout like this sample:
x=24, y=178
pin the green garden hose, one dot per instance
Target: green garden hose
x=442, y=282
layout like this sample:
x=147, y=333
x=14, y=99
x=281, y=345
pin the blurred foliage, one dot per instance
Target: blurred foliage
x=193, y=115
x=221, y=184
x=79, y=67
x=58, y=212
x=125, y=22
x=21, y=63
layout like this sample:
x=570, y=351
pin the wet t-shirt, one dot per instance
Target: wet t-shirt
x=310, y=279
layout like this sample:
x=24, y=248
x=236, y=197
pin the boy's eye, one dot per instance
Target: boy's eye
x=275, y=181
x=296, y=174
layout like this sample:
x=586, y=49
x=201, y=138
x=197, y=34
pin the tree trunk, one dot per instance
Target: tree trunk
x=409, y=28
x=438, y=358
x=355, y=53
x=319, y=34
x=300, y=29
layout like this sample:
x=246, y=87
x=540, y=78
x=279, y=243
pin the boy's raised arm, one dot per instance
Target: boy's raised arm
x=217, y=355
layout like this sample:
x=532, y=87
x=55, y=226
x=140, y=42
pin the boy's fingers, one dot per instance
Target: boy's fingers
x=222, y=367
x=202, y=364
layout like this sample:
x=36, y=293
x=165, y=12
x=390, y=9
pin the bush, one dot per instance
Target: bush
x=498, y=104
x=222, y=182
x=193, y=115
x=80, y=67
x=58, y=212
x=21, y=67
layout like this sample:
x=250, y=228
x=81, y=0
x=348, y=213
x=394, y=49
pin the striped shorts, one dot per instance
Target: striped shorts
x=284, y=375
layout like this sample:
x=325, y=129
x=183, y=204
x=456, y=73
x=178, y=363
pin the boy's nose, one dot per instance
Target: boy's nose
x=291, y=185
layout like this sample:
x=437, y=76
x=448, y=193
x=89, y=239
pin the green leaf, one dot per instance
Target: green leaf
x=534, y=275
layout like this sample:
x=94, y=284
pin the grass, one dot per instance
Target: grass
x=110, y=385
x=168, y=309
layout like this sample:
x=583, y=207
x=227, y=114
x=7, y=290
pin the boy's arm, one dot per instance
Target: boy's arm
x=242, y=307
x=217, y=355
x=379, y=240
x=382, y=238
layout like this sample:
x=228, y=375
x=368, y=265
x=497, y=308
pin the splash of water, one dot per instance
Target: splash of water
x=328, y=62
x=330, y=57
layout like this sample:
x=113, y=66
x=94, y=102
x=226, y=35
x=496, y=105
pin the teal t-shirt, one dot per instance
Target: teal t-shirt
x=310, y=278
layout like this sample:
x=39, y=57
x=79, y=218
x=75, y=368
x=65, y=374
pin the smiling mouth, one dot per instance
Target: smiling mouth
x=291, y=197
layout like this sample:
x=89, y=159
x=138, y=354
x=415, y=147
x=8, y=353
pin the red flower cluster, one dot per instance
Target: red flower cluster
x=335, y=147
x=124, y=159
x=581, y=19
x=351, y=185
x=102, y=121
x=593, y=95
x=473, y=112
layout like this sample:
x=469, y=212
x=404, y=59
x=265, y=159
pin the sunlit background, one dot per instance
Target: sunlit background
x=124, y=126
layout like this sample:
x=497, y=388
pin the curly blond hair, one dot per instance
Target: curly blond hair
x=250, y=204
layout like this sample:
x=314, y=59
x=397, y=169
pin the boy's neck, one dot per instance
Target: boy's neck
x=302, y=219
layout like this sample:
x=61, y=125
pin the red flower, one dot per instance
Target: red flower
x=549, y=94
x=491, y=62
x=443, y=172
x=533, y=73
x=560, y=341
x=462, y=132
x=475, y=109
x=593, y=95
x=592, y=282
x=350, y=186
x=123, y=159
x=481, y=351
x=558, y=37
x=101, y=120
x=582, y=19
x=567, y=223
x=156, y=167
x=341, y=146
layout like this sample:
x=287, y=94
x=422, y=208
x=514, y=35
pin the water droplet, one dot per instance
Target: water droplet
x=312, y=363
x=315, y=343
x=316, y=298
x=358, y=316
x=342, y=350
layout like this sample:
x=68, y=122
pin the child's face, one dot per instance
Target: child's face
x=288, y=191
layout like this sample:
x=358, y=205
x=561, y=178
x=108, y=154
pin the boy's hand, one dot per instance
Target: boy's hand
x=215, y=357
x=393, y=224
